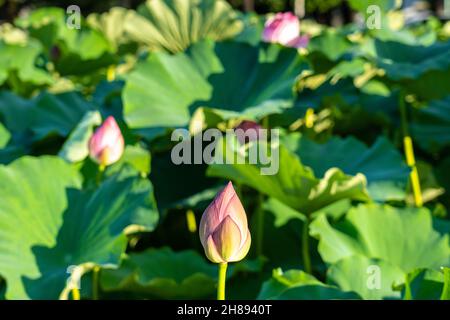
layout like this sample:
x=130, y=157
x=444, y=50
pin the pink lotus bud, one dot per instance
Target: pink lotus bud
x=284, y=28
x=223, y=228
x=248, y=131
x=106, y=144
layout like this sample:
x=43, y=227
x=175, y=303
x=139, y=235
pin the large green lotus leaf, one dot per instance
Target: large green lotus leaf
x=19, y=65
x=173, y=25
x=162, y=273
x=111, y=24
x=432, y=85
x=381, y=163
x=330, y=44
x=15, y=112
x=403, y=237
x=84, y=54
x=370, y=278
x=402, y=61
x=44, y=23
x=48, y=224
x=430, y=126
x=166, y=89
x=298, y=285
x=293, y=183
x=73, y=51
x=424, y=284
x=58, y=114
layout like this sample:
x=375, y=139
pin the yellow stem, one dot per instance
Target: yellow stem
x=191, y=222
x=75, y=294
x=222, y=280
x=414, y=175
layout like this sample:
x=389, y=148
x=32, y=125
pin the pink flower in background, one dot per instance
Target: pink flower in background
x=284, y=28
x=223, y=228
x=248, y=131
x=106, y=144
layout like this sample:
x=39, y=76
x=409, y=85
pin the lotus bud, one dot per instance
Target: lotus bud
x=248, y=131
x=223, y=229
x=106, y=144
x=284, y=28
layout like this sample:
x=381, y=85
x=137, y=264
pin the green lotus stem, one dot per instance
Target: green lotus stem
x=222, y=280
x=409, y=154
x=305, y=247
x=260, y=226
x=95, y=285
x=309, y=118
x=101, y=170
x=75, y=294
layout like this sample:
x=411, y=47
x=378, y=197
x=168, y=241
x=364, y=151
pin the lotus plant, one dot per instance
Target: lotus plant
x=224, y=233
x=106, y=144
x=284, y=28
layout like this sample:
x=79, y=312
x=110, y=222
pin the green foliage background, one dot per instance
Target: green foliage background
x=340, y=211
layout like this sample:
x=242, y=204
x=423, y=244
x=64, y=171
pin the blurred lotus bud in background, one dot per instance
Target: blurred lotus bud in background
x=106, y=144
x=248, y=131
x=284, y=28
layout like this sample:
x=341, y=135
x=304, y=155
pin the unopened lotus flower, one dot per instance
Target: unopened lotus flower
x=248, y=131
x=284, y=28
x=224, y=231
x=106, y=144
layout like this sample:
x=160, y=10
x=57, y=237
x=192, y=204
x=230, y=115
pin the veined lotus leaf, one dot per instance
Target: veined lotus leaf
x=402, y=61
x=49, y=225
x=58, y=114
x=74, y=51
x=382, y=164
x=165, y=90
x=162, y=273
x=174, y=25
x=21, y=60
x=402, y=237
x=430, y=126
x=299, y=285
x=371, y=278
x=426, y=284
